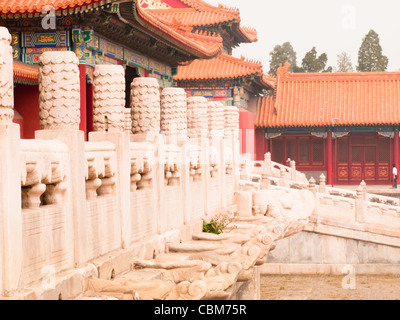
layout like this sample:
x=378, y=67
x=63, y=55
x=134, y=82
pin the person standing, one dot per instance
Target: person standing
x=395, y=176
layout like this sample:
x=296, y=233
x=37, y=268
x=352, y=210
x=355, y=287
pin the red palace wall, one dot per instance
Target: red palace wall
x=26, y=102
x=261, y=144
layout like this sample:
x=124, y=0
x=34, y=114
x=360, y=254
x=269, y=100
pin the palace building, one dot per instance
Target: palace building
x=99, y=32
x=225, y=78
x=345, y=125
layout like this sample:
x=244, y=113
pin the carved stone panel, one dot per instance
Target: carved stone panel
x=59, y=87
x=6, y=77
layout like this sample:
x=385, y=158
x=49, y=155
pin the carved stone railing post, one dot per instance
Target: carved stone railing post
x=214, y=180
x=231, y=134
x=283, y=182
x=174, y=112
x=293, y=170
x=109, y=98
x=145, y=105
x=245, y=167
x=231, y=121
x=59, y=88
x=312, y=186
x=266, y=171
x=265, y=183
x=364, y=188
x=6, y=78
x=267, y=166
x=322, y=183
x=59, y=84
x=215, y=112
x=10, y=177
x=199, y=150
x=360, y=205
x=197, y=118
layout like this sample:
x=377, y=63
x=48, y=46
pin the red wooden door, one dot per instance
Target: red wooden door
x=363, y=157
x=363, y=165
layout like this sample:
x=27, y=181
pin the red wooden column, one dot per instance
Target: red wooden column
x=82, y=79
x=267, y=142
x=89, y=110
x=396, y=142
x=329, y=142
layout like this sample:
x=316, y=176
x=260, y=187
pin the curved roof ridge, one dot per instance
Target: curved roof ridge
x=223, y=66
x=201, y=14
x=207, y=46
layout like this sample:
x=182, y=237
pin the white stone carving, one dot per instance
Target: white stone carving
x=43, y=172
x=197, y=117
x=215, y=111
x=214, y=162
x=231, y=121
x=109, y=98
x=128, y=120
x=6, y=77
x=172, y=165
x=145, y=105
x=128, y=289
x=59, y=88
x=224, y=252
x=142, y=161
x=101, y=163
x=173, y=111
x=228, y=156
x=195, y=163
x=204, y=281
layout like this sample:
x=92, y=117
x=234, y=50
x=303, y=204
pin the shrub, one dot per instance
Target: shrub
x=218, y=224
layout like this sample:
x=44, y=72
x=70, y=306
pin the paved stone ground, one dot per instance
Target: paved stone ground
x=319, y=287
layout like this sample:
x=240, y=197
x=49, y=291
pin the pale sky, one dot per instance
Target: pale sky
x=332, y=26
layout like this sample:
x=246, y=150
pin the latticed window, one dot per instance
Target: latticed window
x=277, y=150
x=306, y=150
x=384, y=150
x=318, y=151
x=343, y=150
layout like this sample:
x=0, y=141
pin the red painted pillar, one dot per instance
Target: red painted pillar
x=260, y=144
x=396, y=148
x=329, y=141
x=89, y=103
x=82, y=80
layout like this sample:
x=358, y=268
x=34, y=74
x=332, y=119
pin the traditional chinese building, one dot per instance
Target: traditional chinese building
x=99, y=32
x=345, y=125
x=233, y=81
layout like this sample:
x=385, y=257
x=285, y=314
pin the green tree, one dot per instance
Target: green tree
x=344, y=63
x=370, y=57
x=282, y=54
x=313, y=63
